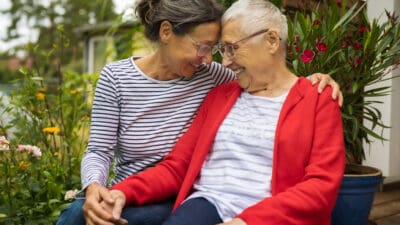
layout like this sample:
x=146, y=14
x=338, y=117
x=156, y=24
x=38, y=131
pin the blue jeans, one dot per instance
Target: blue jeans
x=151, y=214
x=195, y=211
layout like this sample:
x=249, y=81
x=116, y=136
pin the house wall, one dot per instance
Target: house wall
x=386, y=155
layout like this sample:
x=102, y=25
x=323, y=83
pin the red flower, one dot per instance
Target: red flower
x=362, y=29
x=316, y=22
x=359, y=60
x=307, y=56
x=297, y=48
x=345, y=44
x=339, y=3
x=321, y=46
x=357, y=45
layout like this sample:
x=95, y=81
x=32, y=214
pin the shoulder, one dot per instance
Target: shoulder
x=310, y=96
x=226, y=87
x=224, y=90
x=305, y=88
x=119, y=68
x=120, y=64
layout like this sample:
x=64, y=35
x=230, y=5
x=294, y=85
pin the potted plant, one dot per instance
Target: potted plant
x=357, y=53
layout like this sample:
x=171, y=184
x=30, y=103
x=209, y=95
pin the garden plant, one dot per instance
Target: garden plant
x=357, y=52
x=41, y=146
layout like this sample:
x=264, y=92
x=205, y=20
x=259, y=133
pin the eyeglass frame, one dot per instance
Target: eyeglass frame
x=221, y=48
x=201, y=47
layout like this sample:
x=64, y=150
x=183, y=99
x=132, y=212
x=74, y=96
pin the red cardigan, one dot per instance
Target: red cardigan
x=308, y=160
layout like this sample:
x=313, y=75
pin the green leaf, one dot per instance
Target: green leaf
x=349, y=16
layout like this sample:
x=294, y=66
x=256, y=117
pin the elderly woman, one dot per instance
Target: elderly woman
x=143, y=105
x=267, y=149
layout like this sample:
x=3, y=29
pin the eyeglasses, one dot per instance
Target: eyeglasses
x=229, y=49
x=202, y=49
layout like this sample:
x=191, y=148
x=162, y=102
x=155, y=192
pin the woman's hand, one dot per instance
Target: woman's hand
x=102, y=206
x=326, y=79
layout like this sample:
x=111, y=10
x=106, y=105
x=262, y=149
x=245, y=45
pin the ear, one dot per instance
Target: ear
x=273, y=39
x=166, y=31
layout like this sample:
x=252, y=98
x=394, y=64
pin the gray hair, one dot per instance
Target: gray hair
x=255, y=15
x=184, y=15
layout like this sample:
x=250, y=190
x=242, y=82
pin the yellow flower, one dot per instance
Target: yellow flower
x=51, y=130
x=40, y=96
x=74, y=91
x=23, y=165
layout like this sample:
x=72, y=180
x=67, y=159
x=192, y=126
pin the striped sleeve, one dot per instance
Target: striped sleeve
x=221, y=74
x=96, y=162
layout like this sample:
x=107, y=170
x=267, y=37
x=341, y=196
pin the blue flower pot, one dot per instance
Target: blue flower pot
x=356, y=195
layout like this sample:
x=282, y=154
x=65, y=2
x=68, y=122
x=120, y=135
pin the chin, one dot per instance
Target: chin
x=243, y=80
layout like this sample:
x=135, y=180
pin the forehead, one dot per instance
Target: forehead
x=231, y=31
x=207, y=32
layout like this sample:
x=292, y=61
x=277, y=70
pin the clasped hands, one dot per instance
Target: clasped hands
x=103, y=206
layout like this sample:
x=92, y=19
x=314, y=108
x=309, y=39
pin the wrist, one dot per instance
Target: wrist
x=91, y=187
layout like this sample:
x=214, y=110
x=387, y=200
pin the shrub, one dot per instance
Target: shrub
x=52, y=117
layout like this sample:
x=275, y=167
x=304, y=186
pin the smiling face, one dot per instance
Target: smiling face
x=181, y=53
x=250, y=54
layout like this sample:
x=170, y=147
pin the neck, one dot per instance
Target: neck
x=273, y=84
x=155, y=67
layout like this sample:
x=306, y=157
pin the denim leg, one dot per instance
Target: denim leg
x=73, y=214
x=195, y=211
x=150, y=214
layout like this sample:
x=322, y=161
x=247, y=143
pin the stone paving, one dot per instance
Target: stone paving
x=386, y=208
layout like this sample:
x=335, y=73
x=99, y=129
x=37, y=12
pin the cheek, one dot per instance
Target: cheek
x=187, y=68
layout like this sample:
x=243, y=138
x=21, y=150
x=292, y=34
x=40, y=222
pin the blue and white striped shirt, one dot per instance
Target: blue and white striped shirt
x=136, y=120
x=237, y=171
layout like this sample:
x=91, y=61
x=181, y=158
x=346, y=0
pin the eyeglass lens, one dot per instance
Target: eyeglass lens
x=229, y=49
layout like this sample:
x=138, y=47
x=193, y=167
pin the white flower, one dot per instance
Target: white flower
x=4, y=144
x=70, y=195
x=36, y=152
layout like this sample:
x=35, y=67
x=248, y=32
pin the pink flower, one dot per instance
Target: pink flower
x=21, y=148
x=321, y=46
x=307, y=56
x=357, y=45
x=34, y=150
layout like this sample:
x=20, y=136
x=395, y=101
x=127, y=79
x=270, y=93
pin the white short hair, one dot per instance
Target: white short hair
x=255, y=15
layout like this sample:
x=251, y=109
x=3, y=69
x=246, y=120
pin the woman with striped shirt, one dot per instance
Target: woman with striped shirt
x=143, y=105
